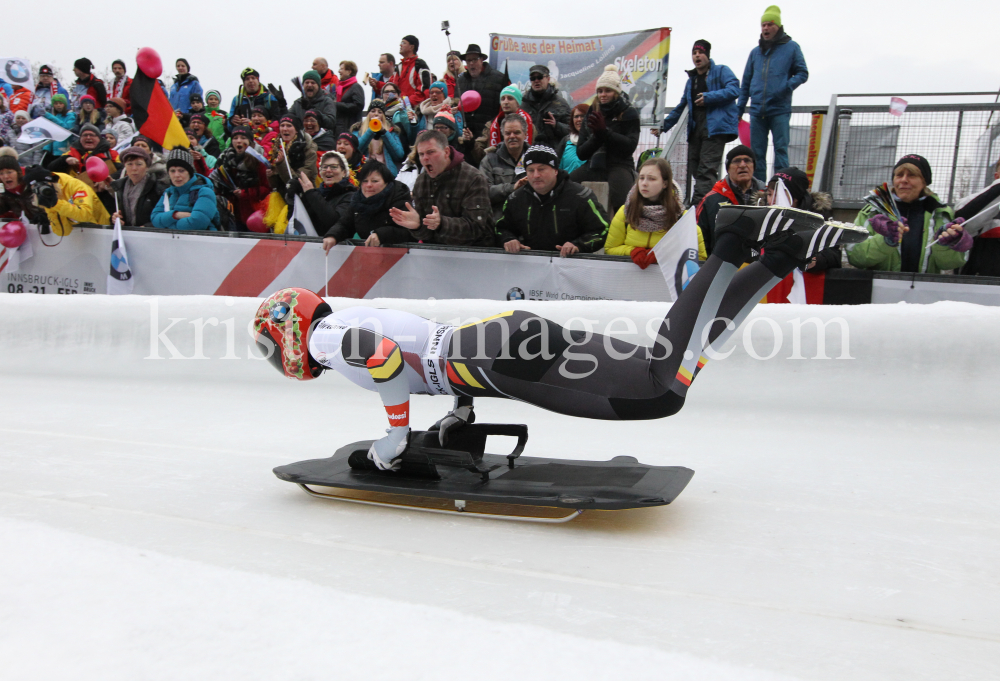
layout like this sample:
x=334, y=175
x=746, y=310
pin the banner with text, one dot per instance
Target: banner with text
x=577, y=62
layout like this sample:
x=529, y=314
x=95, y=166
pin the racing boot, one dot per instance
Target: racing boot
x=383, y=451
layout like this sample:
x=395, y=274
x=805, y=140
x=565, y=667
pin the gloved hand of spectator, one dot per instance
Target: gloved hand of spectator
x=892, y=231
x=278, y=94
x=643, y=257
x=596, y=122
x=954, y=236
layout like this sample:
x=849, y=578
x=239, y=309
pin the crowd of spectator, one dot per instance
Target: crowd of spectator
x=415, y=164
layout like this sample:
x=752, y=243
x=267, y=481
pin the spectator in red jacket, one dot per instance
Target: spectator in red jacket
x=413, y=76
x=328, y=79
x=121, y=86
x=87, y=84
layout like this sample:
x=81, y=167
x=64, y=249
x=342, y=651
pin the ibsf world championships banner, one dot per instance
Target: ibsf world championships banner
x=576, y=63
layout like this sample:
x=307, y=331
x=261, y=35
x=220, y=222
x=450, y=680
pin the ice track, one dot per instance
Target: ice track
x=843, y=521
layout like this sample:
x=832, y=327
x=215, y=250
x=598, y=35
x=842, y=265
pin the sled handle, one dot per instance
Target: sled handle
x=518, y=430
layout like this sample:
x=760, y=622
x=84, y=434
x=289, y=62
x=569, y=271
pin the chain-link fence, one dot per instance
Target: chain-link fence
x=960, y=141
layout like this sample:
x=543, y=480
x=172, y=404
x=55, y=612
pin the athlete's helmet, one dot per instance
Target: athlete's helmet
x=282, y=327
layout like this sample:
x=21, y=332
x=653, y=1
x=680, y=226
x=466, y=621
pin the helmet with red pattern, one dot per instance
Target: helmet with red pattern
x=282, y=327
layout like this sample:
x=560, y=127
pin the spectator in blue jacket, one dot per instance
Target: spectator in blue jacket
x=710, y=97
x=775, y=68
x=185, y=85
x=189, y=202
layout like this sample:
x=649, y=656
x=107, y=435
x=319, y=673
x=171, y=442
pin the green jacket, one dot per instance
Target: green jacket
x=875, y=254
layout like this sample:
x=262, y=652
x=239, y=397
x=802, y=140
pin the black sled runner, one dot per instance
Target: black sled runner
x=464, y=472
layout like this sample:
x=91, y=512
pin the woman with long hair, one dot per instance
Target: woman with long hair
x=569, y=161
x=650, y=210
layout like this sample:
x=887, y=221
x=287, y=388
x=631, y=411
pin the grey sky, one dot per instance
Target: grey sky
x=850, y=45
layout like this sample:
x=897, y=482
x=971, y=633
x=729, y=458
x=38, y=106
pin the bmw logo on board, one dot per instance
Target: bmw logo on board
x=515, y=294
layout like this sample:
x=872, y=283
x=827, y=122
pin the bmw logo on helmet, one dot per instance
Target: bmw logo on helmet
x=280, y=312
x=515, y=294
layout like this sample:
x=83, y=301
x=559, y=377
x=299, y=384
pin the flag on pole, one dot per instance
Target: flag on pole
x=677, y=253
x=17, y=71
x=300, y=222
x=257, y=155
x=153, y=115
x=120, y=281
x=42, y=130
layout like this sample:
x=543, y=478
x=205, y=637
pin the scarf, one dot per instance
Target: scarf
x=429, y=109
x=343, y=85
x=779, y=39
x=366, y=205
x=335, y=189
x=653, y=216
x=118, y=87
x=131, y=194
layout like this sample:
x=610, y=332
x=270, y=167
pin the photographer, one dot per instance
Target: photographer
x=66, y=200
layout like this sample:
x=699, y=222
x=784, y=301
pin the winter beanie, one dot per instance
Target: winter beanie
x=704, y=46
x=377, y=104
x=919, y=162
x=109, y=131
x=795, y=180
x=45, y=70
x=8, y=161
x=262, y=110
x=88, y=98
x=739, y=150
x=214, y=92
x=610, y=79
x=350, y=138
x=89, y=127
x=136, y=152
x=83, y=64
x=59, y=98
x=512, y=91
x=412, y=39
x=440, y=85
x=118, y=102
x=335, y=154
x=247, y=72
x=310, y=114
x=195, y=97
x=445, y=117
x=772, y=13
x=119, y=61
x=241, y=130
x=180, y=156
x=188, y=65
x=541, y=154
x=199, y=117
x=313, y=76
x=293, y=119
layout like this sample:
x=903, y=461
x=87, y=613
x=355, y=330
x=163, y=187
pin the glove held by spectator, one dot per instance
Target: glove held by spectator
x=596, y=122
x=643, y=257
x=887, y=228
x=961, y=242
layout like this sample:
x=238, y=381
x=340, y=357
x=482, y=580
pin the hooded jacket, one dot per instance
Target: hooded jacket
x=462, y=197
x=196, y=197
x=77, y=204
x=362, y=216
x=538, y=105
x=500, y=170
x=183, y=87
x=771, y=75
x=720, y=103
x=570, y=212
x=617, y=141
x=323, y=104
x=874, y=253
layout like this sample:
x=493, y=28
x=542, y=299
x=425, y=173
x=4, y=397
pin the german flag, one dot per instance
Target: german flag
x=153, y=115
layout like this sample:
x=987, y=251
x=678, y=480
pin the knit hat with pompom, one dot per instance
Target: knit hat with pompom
x=610, y=79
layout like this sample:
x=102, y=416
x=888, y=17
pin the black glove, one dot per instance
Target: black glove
x=278, y=94
x=297, y=155
x=596, y=122
x=294, y=187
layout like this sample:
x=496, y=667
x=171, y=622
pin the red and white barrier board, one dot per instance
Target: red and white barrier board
x=181, y=263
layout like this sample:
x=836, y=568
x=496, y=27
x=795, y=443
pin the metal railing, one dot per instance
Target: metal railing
x=861, y=143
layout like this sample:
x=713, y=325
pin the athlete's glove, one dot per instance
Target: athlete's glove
x=383, y=451
x=887, y=228
x=453, y=420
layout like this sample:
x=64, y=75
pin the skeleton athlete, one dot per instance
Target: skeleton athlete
x=520, y=355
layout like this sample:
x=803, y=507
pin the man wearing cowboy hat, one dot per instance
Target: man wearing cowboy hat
x=485, y=80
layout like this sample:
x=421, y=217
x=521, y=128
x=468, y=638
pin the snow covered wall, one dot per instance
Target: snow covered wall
x=843, y=520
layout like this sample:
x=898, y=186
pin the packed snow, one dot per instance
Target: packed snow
x=843, y=520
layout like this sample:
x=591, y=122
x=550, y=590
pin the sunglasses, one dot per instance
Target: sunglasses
x=536, y=76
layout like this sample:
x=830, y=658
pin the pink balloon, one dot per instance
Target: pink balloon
x=149, y=62
x=12, y=234
x=471, y=100
x=255, y=223
x=97, y=170
x=744, y=130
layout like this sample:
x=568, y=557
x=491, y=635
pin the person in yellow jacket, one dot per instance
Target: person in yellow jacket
x=66, y=200
x=652, y=207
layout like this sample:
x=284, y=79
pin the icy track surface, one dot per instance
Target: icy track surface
x=842, y=523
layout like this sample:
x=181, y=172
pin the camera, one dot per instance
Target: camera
x=445, y=25
x=46, y=194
